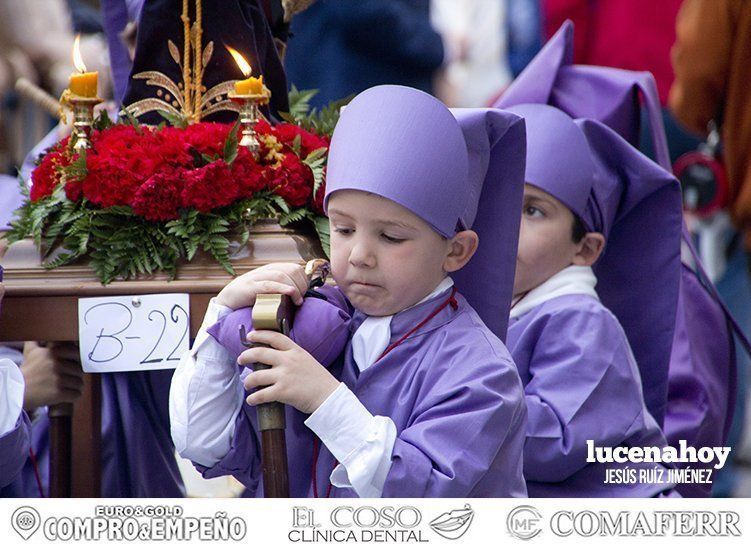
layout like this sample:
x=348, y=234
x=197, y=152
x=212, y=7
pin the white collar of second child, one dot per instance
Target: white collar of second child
x=572, y=280
x=372, y=337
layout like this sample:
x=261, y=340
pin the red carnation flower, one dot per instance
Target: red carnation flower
x=74, y=190
x=293, y=181
x=248, y=174
x=206, y=138
x=159, y=198
x=263, y=127
x=309, y=142
x=47, y=174
x=119, y=163
x=44, y=177
x=212, y=186
x=172, y=148
x=110, y=181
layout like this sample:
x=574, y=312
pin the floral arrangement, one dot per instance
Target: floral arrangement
x=142, y=198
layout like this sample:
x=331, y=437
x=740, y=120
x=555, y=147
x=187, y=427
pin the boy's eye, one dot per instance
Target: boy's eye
x=344, y=231
x=392, y=239
x=534, y=211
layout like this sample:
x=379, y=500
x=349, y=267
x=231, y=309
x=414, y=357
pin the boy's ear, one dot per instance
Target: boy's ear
x=460, y=250
x=590, y=249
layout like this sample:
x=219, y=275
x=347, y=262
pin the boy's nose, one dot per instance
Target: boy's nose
x=362, y=256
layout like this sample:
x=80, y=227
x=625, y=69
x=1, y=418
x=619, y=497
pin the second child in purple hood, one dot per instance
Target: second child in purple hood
x=598, y=253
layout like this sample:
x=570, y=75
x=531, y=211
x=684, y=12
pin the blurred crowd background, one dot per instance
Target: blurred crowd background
x=466, y=52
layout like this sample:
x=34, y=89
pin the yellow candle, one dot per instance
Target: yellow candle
x=84, y=84
x=252, y=85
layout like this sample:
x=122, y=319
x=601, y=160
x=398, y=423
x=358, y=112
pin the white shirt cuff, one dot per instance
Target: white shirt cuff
x=361, y=442
x=205, y=396
x=11, y=401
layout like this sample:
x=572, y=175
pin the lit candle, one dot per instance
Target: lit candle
x=251, y=85
x=84, y=83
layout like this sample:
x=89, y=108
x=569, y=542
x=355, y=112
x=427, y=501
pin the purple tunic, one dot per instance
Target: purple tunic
x=25, y=483
x=581, y=383
x=138, y=457
x=11, y=198
x=453, y=394
x=14, y=449
x=634, y=204
x=137, y=451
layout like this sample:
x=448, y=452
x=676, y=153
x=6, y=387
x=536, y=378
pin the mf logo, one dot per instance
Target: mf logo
x=524, y=522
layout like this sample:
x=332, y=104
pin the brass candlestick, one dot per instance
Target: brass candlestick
x=249, y=116
x=83, y=118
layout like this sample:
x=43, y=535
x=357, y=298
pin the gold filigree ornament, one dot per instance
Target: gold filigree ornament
x=188, y=101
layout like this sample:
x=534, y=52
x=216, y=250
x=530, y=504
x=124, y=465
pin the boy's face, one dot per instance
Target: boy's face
x=384, y=257
x=545, y=239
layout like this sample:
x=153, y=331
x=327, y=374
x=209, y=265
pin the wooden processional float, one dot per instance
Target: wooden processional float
x=43, y=305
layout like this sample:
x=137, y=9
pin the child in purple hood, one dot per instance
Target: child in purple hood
x=598, y=266
x=423, y=399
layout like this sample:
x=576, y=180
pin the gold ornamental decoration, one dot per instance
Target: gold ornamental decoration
x=189, y=99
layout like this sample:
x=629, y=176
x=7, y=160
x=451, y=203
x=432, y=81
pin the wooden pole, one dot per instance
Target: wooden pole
x=83, y=421
x=87, y=445
x=39, y=96
x=276, y=313
x=273, y=312
x=60, y=450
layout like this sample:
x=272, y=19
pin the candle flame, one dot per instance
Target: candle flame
x=77, y=59
x=240, y=60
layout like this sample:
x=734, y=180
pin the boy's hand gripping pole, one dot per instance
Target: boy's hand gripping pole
x=274, y=312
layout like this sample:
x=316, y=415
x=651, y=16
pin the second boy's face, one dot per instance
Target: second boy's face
x=545, y=244
x=384, y=257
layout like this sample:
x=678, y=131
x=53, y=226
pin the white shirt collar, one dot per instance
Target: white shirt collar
x=372, y=337
x=572, y=280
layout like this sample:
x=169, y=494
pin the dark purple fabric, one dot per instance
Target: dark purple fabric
x=115, y=17
x=138, y=457
x=701, y=392
x=241, y=24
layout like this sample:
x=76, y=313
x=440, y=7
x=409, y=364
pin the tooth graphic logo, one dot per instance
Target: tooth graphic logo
x=25, y=521
x=452, y=525
x=523, y=522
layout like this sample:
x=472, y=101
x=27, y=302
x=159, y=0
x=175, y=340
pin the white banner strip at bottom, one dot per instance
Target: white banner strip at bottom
x=283, y=521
